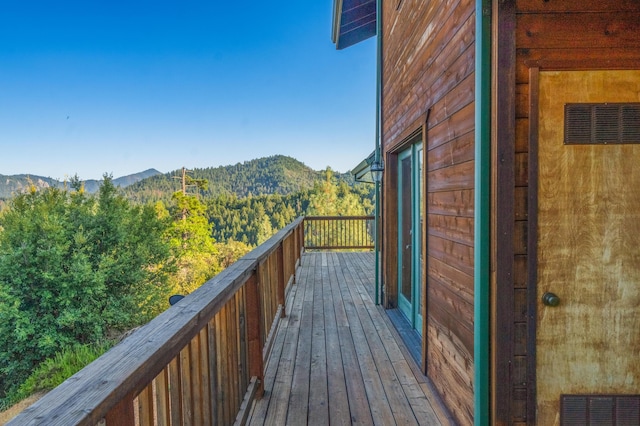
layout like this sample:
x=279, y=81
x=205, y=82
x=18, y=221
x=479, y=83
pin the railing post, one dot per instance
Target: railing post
x=281, y=279
x=292, y=252
x=256, y=363
x=300, y=234
x=123, y=413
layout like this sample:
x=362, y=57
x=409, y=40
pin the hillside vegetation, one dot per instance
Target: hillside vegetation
x=78, y=268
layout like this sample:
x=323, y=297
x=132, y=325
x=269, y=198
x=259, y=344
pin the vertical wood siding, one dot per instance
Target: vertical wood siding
x=554, y=34
x=428, y=63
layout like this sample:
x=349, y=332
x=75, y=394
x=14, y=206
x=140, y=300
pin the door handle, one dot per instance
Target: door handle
x=550, y=299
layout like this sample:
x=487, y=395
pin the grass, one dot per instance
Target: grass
x=53, y=371
x=17, y=408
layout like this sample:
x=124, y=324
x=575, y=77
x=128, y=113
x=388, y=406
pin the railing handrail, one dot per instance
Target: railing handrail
x=126, y=369
x=338, y=217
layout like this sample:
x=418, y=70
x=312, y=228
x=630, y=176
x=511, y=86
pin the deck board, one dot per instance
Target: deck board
x=318, y=392
x=335, y=360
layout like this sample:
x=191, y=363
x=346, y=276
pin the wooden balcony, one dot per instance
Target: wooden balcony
x=336, y=358
x=280, y=337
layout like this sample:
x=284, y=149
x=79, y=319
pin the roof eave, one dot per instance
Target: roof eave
x=353, y=22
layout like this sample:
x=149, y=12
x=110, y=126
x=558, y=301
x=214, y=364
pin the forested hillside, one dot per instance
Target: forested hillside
x=254, y=219
x=78, y=268
x=278, y=174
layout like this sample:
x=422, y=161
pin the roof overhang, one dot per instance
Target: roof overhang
x=362, y=172
x=353, y=22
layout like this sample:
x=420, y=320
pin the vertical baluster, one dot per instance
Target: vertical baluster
x=145, y=406
x=162, y=397
x=254, y=331
x=213, y=371
x=175, y=391
x=196, y=380
x=205, y=379
x=185, y=381
x=242, y=333
x=229, y=348
x=223, y=360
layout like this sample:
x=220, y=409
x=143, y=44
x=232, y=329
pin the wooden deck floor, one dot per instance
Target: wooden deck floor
x=335, y=359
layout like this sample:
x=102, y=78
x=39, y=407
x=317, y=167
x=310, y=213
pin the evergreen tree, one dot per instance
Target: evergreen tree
x=331, y=199
x=72, y=268
x=265, y=230
x=194, y=249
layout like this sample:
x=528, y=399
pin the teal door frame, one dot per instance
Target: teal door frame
x=410, y=217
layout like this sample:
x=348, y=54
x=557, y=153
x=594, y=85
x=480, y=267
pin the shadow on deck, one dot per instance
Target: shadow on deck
x=336, y=359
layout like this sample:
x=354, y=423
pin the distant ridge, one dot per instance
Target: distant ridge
x=93, y=185
x=12, y=184
x=277, y=174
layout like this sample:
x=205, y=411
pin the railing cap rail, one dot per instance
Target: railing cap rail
x=327, y=218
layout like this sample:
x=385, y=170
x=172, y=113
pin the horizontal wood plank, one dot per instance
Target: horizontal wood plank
x=452, y=374
x=421, y=67
x=549, y=6
x=458, y=256
x=456, y=151
x=454, y=228
x=455, y=279
x=457, y=177
x=453, y=203
x=454, y=126
x=594, y=57
x=604, y=30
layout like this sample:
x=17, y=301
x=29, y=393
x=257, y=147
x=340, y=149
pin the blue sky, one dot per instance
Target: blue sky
x=97, y=86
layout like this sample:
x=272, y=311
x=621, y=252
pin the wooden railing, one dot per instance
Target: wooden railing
x=338, y=232
x=201, y=361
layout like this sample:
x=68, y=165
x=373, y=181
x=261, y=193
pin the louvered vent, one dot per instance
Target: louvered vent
x=600, y=410
x=602, y=123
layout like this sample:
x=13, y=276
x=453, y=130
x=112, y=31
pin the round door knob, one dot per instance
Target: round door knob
x=550, y=299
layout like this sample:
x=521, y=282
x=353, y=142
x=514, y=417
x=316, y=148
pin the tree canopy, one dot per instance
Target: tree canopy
x=74, y=267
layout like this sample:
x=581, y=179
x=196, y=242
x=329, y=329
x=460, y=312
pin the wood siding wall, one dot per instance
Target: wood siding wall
x=550, y=34
x=428, y=65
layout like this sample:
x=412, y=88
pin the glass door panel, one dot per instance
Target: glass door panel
x=418, y=255
x=410, y=220
x=405, y=207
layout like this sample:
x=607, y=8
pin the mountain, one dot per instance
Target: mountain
x=93, y=185
x=277, y=174
x=20, y=183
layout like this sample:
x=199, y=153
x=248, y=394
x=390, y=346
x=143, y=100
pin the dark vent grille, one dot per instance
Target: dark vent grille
x=600, y=410
x=602, y=123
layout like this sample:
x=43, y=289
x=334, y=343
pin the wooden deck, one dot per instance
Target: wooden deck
x=336, y=359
